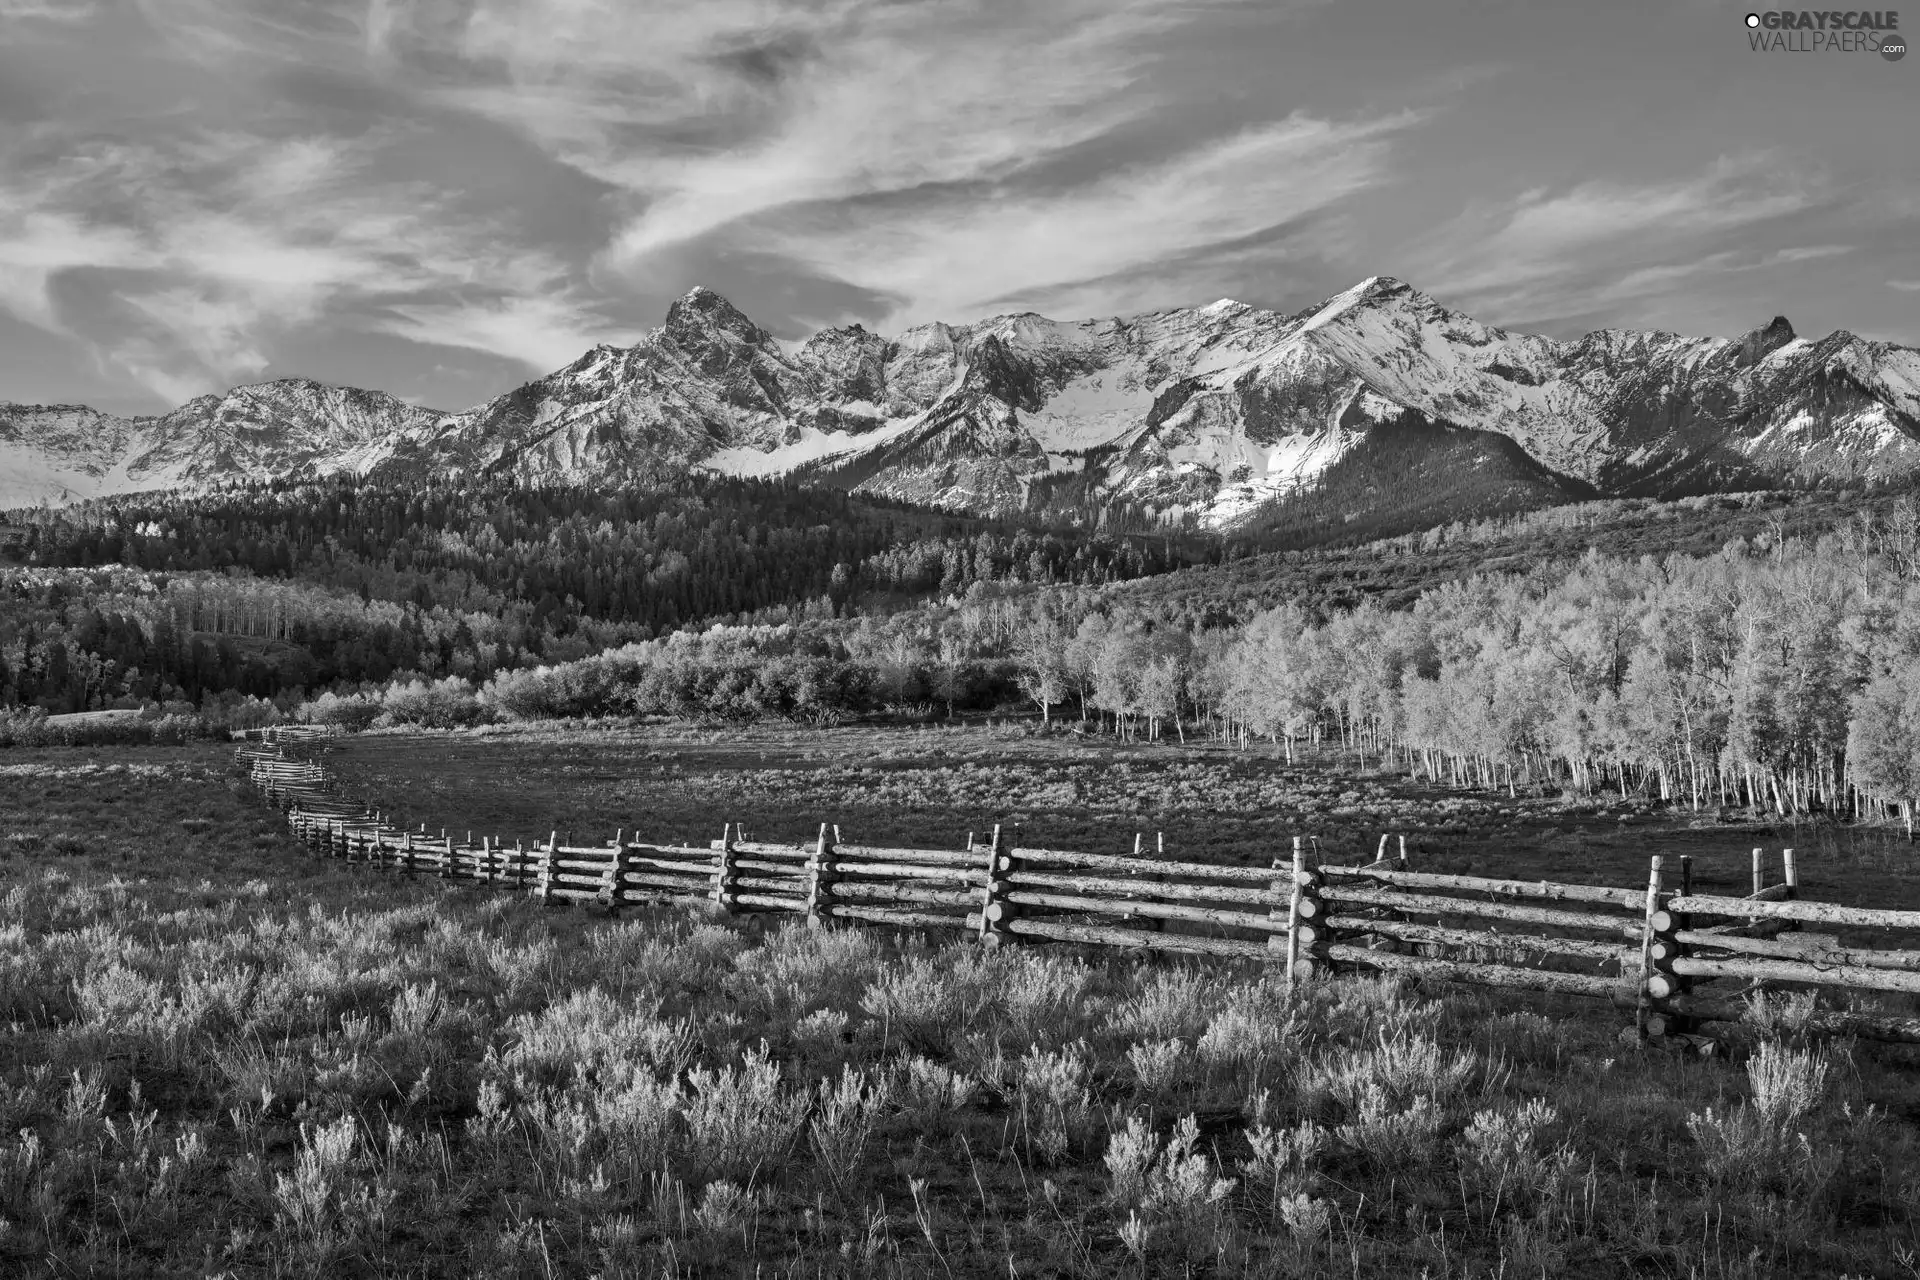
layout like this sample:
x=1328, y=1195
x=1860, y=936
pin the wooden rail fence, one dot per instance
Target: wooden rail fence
x=1679, y=959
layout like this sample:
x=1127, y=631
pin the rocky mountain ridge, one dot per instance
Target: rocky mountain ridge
x=1211, y=411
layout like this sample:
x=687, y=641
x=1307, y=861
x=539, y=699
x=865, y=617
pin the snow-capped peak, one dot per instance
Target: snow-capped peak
x=1372, y=291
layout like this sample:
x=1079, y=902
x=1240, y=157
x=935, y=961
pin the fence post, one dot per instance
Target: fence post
x=1643, y=1006
x=725, y=874
x=547, y=856
x=1659, y=948
x=1306, y=918
x=612, y=887
x=1147, y=924
x=448, y=868
x=820, y=880
x=995, y=911
x=1759, y=871
x=1285, y=881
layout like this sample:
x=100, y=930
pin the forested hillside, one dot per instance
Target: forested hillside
x=1394, y=571
x=655, y=559
x=1755, y=650
x=278, y=591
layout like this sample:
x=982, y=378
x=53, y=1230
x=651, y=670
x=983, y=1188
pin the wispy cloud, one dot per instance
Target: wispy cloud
x=960, y=251
x=1596, y=244
x=223, y=241
x=732, y=126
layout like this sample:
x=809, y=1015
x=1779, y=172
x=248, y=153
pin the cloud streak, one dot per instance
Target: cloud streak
x=998, y=246
x=1596, y=244
x=442, y=197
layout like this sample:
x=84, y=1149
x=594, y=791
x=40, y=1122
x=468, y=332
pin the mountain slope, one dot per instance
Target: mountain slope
x=61, y=453
x=1214, y=412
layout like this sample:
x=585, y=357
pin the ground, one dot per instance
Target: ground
x=219, y=1056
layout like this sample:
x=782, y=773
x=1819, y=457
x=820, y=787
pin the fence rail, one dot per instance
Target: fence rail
x=1681, y=960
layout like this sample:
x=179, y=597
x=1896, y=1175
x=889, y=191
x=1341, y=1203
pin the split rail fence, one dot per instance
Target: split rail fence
x=1679, y=959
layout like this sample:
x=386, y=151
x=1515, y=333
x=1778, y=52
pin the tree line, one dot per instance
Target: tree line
x=1779, y=670
x=701, y=548
x=283, y=590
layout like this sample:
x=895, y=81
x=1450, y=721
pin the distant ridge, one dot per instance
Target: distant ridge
x=1211, y=412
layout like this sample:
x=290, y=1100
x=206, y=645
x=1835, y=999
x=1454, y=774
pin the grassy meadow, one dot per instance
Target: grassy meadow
x=931, y=786
x=220, y=1057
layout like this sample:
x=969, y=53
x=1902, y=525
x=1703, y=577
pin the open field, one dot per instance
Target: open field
x=931, y=787
x=222, y=1057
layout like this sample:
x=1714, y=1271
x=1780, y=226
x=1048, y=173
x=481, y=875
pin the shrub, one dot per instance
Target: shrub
x=1160, y=1065
x=448, y=703
x=589, y=687
x=1283, y=1163
x=352, y=712
x=30, y=727
x=741, y=1121
x=931, y=1094
x=1788, y=1084
x=1171, y=1195
x=1052, y=1101
x=1506, y=1157
x=843, y=1124
x=927, y=1004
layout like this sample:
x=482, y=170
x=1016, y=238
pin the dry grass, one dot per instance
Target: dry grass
x=334, y=1074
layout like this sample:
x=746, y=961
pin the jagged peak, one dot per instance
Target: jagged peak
x=1372, y=292
x=834, y=333
x=270, y=386
x=1760, y=343
x=698, y=313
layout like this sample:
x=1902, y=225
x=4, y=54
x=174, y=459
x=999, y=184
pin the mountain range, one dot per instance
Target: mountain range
x=1211, y=412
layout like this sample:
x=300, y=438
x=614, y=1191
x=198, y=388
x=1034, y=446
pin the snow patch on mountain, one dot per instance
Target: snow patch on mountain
x=810, y=448
x=1291, y=463
x=29, y=477
x=1091, y=411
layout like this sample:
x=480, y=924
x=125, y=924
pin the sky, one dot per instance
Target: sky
x=445, y=198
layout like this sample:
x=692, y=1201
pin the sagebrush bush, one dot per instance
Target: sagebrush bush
x=1171, y=1193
